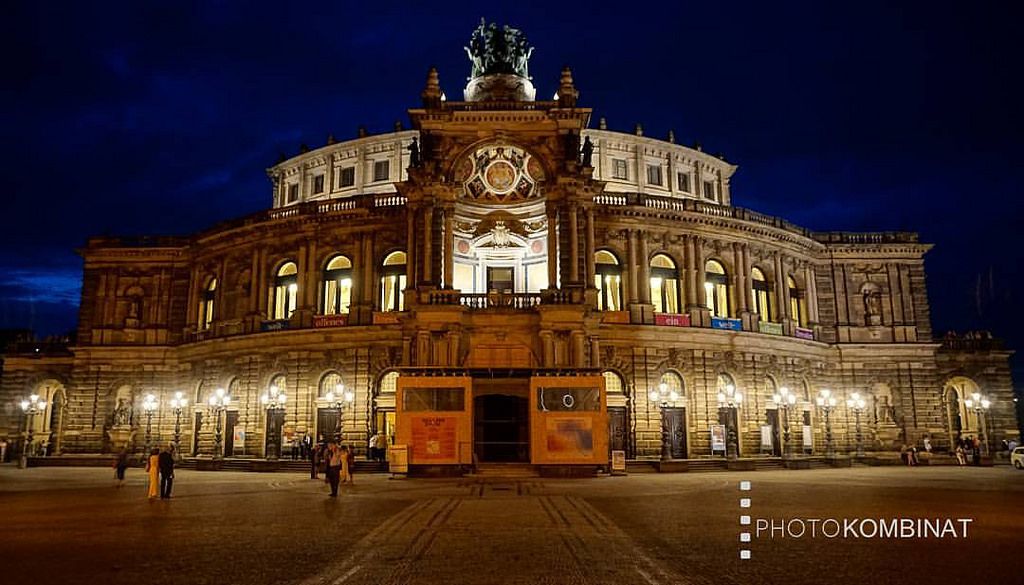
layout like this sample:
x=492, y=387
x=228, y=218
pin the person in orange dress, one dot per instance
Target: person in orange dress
x=153, y=470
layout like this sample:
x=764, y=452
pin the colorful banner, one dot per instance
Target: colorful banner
x=434, y=438
x=730, y=324
x=769, y=328
x=330, y=320
x=672, y=319
x=569, y=438
x=803, y=333
x=275, y=325
x=615, y=317
x=388, y=318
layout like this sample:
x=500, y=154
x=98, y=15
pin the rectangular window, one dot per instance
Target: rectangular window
x=654, y=175
x=619, y=170
x=318, y=184
x=683, y=180
x=293, y=193
x=709, y=190
x=381, y=170
x=347, y=177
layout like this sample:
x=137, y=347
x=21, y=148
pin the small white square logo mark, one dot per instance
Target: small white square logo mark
x=744, y=537
x=744, y=502
x=745, y=520
x=745, y=554
x=744, y=486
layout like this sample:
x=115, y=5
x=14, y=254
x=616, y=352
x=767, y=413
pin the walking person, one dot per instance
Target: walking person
x=371, y=447
x=335, y=459
x=314, y=461
x=382, y=447
x=120, y=465
x=350, y=464
x=961, y=460
x=153, y=469
x=166, y=461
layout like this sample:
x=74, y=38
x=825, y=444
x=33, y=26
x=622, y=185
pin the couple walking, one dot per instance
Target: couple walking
x=340, y=461
x=160, y=468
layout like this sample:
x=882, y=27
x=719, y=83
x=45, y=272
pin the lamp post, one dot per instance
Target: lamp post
x=785, y=400
x=827, y=402
x=218, y=402
x=149, y=406
x=339, y=398
x=31, y=408
x=665, y=399
x=729, y=401
x=980, y=405
x=178, y=404
x=856, y=403
x=274, y=401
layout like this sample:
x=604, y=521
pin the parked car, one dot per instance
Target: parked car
x=1017, y=458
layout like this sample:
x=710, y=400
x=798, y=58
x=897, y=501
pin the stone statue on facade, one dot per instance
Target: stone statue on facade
x=122, y=413
x=873, y=307
x=493, y=50
x=414, y=153
x=587, y=152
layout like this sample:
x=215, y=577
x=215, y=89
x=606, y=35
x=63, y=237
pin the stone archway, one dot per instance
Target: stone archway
x=960, y=421
x=48, y=426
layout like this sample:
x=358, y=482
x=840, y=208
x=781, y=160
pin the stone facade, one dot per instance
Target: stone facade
x=845, y=311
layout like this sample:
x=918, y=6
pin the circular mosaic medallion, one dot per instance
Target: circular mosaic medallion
x=501, y=176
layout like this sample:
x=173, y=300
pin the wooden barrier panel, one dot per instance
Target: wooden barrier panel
x=433, y=416
x=568, y=420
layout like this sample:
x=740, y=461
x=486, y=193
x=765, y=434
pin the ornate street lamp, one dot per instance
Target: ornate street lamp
x=31, y=408
x=274, y=401
x=827, y=402
x=339, y=399
x=149, y=406
x=218, y=402
x=728, y=403
x=665, y=399
x=178, y=404
x=980, y=405
x=857, y=404
x=785, y=400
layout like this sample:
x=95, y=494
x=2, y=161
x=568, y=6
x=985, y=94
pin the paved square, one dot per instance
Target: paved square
x=73, y=526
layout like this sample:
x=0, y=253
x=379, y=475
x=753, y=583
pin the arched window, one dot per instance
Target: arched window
x=664, y=284
x=762, y=294
x=716, y=289
x=337, y=286
x=281, y=381
x=392, y=282
x=284, y=293
x=613, y=383
x=388, y=383
x=724, y=380
x=797, y=303
x=673, y=383
x=235, y=388
x=206, y=305
x=608, y=281
x=329, y=383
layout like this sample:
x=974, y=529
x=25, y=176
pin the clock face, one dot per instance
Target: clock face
x=500, y=173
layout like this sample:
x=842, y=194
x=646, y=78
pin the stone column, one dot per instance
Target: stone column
x=595, y=352
x=411, y=266
x=574, y=246
x=644, y=266
x=428, y=236
x=576, y=341
x=329, y=175
x=589, y=249
x=812, y=296
x=552, y=247
x=547, y=348
x=449, y=247
x=741, y=278
x=631, y=271
x=262, y=285
x=368, y=266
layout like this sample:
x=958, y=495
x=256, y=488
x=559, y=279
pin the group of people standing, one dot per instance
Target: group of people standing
x=159, y=471
x=968, y=449
x=337, y=461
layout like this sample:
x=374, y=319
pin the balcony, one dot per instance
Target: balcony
x=503, y=301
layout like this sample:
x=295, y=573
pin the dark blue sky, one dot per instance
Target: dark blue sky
x=160, y=117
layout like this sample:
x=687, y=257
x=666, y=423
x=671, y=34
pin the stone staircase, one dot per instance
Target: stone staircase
x=504, y=470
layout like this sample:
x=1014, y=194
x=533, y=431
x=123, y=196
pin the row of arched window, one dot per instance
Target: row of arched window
x=666, y=296
x=335, y=284
x=673, y=382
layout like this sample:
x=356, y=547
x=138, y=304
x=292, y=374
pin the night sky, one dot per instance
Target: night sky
x=161, y=117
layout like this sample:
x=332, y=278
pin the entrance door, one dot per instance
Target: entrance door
x=617, y=434
x=326, y=424
x=501, y=279
x=727, y=416
x=195, y=433
x=230, y=420
x=501, y=430
x=674, y=420
x=272, y=441
x=772, y=416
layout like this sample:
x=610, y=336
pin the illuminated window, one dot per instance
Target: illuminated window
x=392, y=282
x=280, y=381
x=724, y=380
x=683, y=181
x=797, y=303
x=388, y=383
x=619, y=169
x=293, y=193
x=709, y=190
x=337, y=286
x=654, y=175
x=664, y=285
x=381, y=170
x=613, y=383
x=716, y=289
x=347, y=177
x=673, y=383
x=329, y=383
x=318, y=184
x=762, y=294
x=608, y=281
x=206, y=304
x=285, y=291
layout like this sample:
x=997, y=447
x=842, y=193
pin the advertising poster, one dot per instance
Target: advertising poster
x=570, y=438
x=808, y=437
x=766, y=438
x=239, y=444
x=717, y=437
x=434, y=438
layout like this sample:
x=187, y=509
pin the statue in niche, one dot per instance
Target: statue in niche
x=122, y=413
x=873, y=306
x=414, y=153
x=885, y=412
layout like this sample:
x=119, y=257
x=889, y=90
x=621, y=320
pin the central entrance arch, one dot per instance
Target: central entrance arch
x=501, y=420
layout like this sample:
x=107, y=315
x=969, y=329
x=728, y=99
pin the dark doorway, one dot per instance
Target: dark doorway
x=195, y=433
x=230, y=420
x=674, y=421
x=617, y=430
x=772, y=415
x=728, y=417
x=272, y=444
x=326, y=424
x=501, y=429
x=501, y=279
